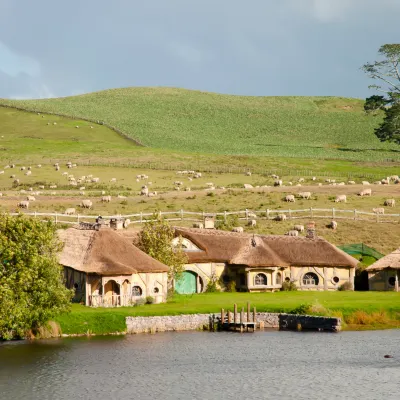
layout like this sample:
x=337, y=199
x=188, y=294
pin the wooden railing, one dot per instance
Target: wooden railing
x=243, y=215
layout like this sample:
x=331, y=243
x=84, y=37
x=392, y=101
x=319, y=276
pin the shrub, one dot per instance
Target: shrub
x=231, y=286
x=139, y=302
x=212, y=285
x=346, y=286
x=149, y=300
x=289, y=286
x=231, y=221
x=301, y=309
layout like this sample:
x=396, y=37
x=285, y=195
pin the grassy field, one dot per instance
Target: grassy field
x=355, y=307
x=206, y=123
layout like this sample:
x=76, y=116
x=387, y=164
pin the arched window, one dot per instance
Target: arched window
x=392, y=281
x=136, y=291
x=260, y=279
x=279, y=278
x=310, y=279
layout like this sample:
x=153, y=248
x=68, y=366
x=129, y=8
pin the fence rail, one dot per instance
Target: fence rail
x=242, y=215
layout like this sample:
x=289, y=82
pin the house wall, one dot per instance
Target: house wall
x=76, y=280
x=329, y=278
x=379, y=280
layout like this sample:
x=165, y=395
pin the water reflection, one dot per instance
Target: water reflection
x=198, y=365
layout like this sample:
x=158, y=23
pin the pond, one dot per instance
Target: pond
x=204, y=365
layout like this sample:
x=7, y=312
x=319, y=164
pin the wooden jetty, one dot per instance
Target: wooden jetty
x=248, y=322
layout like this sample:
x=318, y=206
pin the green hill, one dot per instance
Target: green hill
x=198, y=122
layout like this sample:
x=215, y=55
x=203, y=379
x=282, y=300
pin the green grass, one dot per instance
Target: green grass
x=207, y=123
x=83, y=319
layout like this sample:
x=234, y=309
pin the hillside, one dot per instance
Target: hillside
x=193, y=121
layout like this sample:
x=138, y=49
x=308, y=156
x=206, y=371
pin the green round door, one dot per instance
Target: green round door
x=186, y=284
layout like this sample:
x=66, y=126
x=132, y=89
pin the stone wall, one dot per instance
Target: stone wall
x=205, y=321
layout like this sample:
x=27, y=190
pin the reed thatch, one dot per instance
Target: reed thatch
x=392, y=260
x=263, y=250
x=104, y=252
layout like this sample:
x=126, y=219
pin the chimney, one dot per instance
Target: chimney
x=311, y=233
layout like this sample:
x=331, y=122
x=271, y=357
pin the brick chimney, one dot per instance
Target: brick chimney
x=311, y=233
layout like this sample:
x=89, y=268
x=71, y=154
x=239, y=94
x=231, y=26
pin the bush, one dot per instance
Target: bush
x=346, y=286
x=301, y=309
x=212, y=285
x=231, y=286
x=149, y=300
x=288, y=286
x=231, y=221
x=139, y=302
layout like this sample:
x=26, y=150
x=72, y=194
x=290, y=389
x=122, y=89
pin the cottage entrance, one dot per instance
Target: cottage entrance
x=187, y=283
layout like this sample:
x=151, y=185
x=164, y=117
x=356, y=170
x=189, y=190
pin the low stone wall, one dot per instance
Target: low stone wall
x=206, y=321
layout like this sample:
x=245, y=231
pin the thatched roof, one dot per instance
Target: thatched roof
x=104, y=252
x=392, y=260
x=263, y=250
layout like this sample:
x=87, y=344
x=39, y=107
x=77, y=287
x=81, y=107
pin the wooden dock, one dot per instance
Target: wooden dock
x=247, y=322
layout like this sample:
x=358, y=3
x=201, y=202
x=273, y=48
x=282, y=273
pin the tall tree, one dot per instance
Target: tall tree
x=32, y=289
x=387, y=72
x=155, y=239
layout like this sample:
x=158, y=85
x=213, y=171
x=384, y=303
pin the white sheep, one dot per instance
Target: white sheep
x=390, y=202
x=378, y=210
x=333, y=225
x=305, y=195
x=281, y=217
x=23, y=204
x=70, y=211
x=252, y=223
x=342, y=198
x=292, y=233
x=290, y=198
x=237, y=229
x=106, y=199
x=365, y=192
x=86, y=204
x=198, y=225
x=299, y=228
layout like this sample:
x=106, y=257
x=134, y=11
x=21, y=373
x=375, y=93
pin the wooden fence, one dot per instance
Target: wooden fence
x=243, y=215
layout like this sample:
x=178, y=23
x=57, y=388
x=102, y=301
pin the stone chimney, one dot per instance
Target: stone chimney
x=311, y=233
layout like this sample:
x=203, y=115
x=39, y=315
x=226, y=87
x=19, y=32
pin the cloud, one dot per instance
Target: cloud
x=13, y=64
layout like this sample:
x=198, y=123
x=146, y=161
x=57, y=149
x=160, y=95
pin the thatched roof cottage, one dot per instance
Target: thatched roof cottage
x=261, y=262
x=384, y=274
x=106, y=269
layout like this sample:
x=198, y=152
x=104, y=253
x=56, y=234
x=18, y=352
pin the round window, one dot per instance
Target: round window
x=392, y=281
x=156, y=290
x=336, y=279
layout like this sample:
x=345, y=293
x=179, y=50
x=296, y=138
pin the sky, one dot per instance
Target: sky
x=54, y=48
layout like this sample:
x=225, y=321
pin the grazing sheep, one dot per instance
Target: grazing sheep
x=53, y=186
x=290, y=198
x=187, y=189
x=106, y=199
x=292, y=233
x=390, y=202
x=365, y=192
x=144, y=191
x=112, y=180
x=64, y=173
x=152, y=194
x=198, y=225
x=305, y=195
x=252, y=215
x=126, y=223
x=178, y=183
x=16, y=182
x=121, y=197
x=351, y=182
x=252, y=223
x=27, y=173
x=95, y=180
x=394, y=177
x=273, y=176
x=342, y=198
x=385, y=181
x=12, y=166
x=41, y=187
x=39, y=165
x=22, y=168
x=248, y=186
x=70, y=211
x=82, y=188
x=248, y=173
x=365, y=183
x=12, y=176
x=7, y=166
x=53, y=193
x=103, y=192
x=1, y=172
x=30, y=198
x=314, y=178
x=281, y=217
x=23, y=204
x=301, y=180
x=81, y=193
x=22, y=191
x=1, y=194
x=278, y=183
x=299, y=228
x=86, y=204
x=333, y=225
x=378, y=210
x=238, y=229
x=29, y=168
x=57, y=168
x=377, y=183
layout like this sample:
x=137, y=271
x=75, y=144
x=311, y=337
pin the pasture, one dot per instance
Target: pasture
x=181, y=120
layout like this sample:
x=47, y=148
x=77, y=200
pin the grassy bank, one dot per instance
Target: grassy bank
x=361, y=310
x=208, y=123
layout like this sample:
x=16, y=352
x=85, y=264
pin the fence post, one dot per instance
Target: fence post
x=333, y=212
x=377, y=217
x=355, y=215
x=181, y=215
x=56, y=219
x=141, y=216
x=267, y=213
x=290, y=213
x=225, y=216
x=247, y=214
x=78, y=218
x=311, y=212
x=35, y=214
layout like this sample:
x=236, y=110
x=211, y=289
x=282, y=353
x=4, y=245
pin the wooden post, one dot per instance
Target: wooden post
x=311, y=212
x=222, y=317
x=254, y=315
x=355, y=214
x=78, y=218
x=267, y=213
x=229, y=318
x=333, y=212
x=290, y=213
x=181, y=215
x=141, y=216
x=241, y=320
x=225, y=217
x=56, y=219
x=248, y=311
x=235, y=314
x=247, y=214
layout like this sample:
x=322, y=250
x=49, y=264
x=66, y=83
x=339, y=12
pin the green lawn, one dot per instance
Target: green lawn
x=208, y=123
x=106, y=320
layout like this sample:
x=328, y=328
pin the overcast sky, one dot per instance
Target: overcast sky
x=256, y=47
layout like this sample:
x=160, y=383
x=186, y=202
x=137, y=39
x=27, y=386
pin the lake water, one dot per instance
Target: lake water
x=203, y=365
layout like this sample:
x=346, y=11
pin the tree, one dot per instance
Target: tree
x=32, y=289
x=389, y=130
x=155, y=239
x=387, y=72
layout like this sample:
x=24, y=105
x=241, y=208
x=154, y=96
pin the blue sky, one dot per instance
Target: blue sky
x=54, y=48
